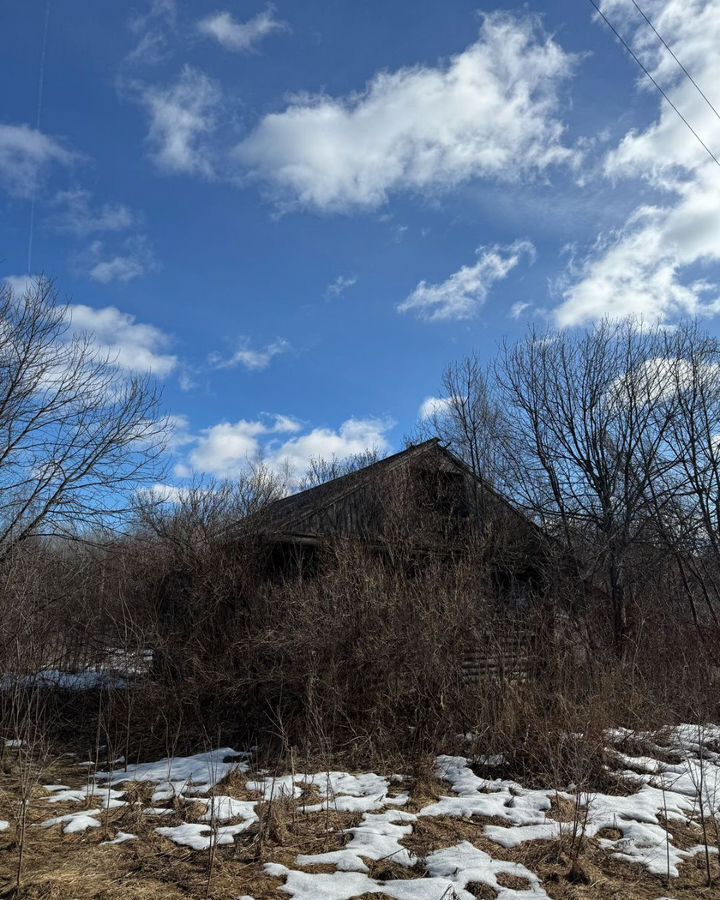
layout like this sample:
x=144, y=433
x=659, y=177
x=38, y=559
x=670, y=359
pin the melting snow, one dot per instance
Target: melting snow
x=201, y=837
x=75, y=822
x=667, y=793
x=109, y=798
x=122, y=838
x=450, y=871
x=221, y=808
x=182, y=774
x=338, y=790
x=376, y=837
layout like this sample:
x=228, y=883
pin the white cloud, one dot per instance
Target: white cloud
x=76, y=214
x=177, y=429
x=490, y=111
x=182, y=117
x=692, y=29
x=164, y=11
x=354, y=436
x=118, y=268
x=26, y=154
x=657, y=264
x=226, y=449
x=132, y=346
x=340, y=285
x=129, y=345
x=638, y=270
x=249, y=358
x=20, y=284
x=434, y=406
x=518, y=308
x=164, y=493
x=286, y=425
x=151, y=29
x=135, y=260
x=240, y=36
x=463, y=293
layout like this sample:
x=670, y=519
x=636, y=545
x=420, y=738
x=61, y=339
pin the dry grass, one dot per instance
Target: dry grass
x=78, y=867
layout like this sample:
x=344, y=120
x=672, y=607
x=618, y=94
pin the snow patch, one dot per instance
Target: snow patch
x=74, y=823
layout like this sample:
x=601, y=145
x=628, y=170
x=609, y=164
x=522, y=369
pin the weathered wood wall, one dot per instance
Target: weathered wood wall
x=501, y=654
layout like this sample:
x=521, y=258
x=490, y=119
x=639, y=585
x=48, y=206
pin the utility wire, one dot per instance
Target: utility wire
x=670, y=51
x=41, y=84
x=659, y=88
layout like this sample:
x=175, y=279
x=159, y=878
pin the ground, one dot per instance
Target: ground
x=212, y=825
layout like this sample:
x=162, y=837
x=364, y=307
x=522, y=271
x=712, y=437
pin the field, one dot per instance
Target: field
x=214, y=825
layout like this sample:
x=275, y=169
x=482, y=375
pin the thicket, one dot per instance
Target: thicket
x=179, y=629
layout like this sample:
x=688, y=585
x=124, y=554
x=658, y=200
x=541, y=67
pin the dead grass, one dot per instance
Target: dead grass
x=387, y=870
x=424, y=789
x=432, y=833
x=481, y=891
x=564, y=810
x=63, y=867
x=516, y=882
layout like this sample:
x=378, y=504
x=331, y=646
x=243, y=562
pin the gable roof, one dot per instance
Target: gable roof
x=289, y=515
x=298, y=515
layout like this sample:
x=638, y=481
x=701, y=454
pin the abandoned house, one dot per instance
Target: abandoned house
x=418, y=508
x=425, y=499
x=423, y=503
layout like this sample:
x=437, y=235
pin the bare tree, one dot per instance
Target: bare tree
x=190, y=519
x=688, y=498
x=469, y=419
x=77, y=436
x=590, y=415
x=320, y=470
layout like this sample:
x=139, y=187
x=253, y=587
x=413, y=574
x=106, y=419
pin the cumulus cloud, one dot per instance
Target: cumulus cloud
x=177, y=430
x=164, y=493
x=254, y=360
x=21, y=284
x=434, y=407
x=26, y=155
x=76, y=214
x=182, y=118
x=353, y=437
x=132, y=346
x=489, y=112
x=639, y=269
x=462, y=294
x=340, y=285
x=129, y=345
x=135, y=260
x=240, y=36
x=657, y=264
x=226, y=449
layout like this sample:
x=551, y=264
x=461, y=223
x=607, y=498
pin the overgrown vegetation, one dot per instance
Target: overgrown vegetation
x=186, y=628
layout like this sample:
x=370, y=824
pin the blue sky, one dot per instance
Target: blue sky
x=296, y=215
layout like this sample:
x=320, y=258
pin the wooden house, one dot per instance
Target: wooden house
x=422, y=507
x=418, y=507
x=424, y=498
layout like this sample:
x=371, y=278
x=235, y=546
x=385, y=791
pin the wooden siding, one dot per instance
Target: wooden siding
x=503, y=655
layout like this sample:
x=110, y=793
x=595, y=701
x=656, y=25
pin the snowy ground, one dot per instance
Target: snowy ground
x=665, y=820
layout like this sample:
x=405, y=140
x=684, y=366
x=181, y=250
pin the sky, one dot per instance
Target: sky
x=296, y=215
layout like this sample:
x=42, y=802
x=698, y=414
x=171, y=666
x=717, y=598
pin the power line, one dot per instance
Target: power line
x=670, y=51
x=659, y=88
x=41, y=84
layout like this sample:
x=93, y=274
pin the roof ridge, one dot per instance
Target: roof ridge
x=393, y=459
